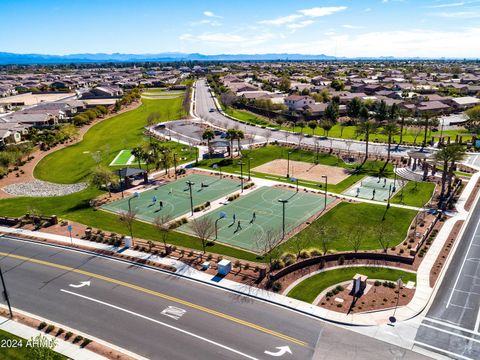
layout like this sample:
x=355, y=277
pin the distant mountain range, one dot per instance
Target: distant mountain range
x=25, y=59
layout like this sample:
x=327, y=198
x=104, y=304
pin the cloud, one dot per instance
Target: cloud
x=300, y=24
x=445, y=5
x=228, y=40
x=458, y=14
x=213, y=37
x=322, y=11
x=211, y=14
x=205, y=22
x=348, y=26
x=282, y=20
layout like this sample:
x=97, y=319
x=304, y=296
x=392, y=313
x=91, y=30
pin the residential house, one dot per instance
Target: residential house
x=298, y=102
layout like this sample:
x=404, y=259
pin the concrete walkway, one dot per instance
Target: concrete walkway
x=63, y=347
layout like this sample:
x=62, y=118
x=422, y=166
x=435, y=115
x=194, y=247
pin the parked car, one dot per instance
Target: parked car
x=211, y=110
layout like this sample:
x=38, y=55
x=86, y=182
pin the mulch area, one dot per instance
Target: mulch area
x=442, y=257
x=473, y=196
x=40, y=154
x=377, y=298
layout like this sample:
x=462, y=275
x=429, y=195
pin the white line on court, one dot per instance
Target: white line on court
x=161, y=323
x=477, y=322
x=116, y=158
x=463, y=263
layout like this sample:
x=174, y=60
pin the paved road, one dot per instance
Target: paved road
x=162, y=316
x=452, y=323
x=204, y=102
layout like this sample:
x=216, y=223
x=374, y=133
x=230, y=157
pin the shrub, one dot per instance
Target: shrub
x=341, y=260
x=49, y=328
x=304, y=254
x=288, y=258
x=68, y=335
x=77, y=338
x=339, y=305
x=377, y=283
x=339, y=288
x=60, y=332
x=315, y=252
x=277, y=264
x=42, y=325
x=236, y=263
x=329, y=294
x=246, y=266
x=86, y=342
x=276, y=286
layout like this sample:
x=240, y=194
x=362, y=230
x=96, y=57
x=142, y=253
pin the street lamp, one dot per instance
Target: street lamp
x=283, y=215
x=221, y=216
x=190, y=184
x=288, y=164
x=389, y=195
x=175, y=164
x=135, y=196
x=216, y=166
x=399, y=283
x=241, y=173
x=295, y=180
x=326, y=188
x=395, y=178
x=248, y=159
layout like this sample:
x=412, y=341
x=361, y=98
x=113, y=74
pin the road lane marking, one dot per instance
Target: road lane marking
x=160, y=295
x=451, y=333
x=160, y=323
x=434, y=348
x=463, y=263
x=82, y=284
x=447, y=323
x=174, y=312
x=282, y=350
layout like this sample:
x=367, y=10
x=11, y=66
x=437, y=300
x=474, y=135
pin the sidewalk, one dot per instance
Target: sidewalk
x=422, y=294
x=63, y=347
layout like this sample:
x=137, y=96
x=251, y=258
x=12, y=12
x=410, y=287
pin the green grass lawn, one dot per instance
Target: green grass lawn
x=346, y=218
x=347, y=132
x=269, y=153
x=76, y=207
x=21, y=353
x=414, y=194
x=124, y=131
x=309, y=288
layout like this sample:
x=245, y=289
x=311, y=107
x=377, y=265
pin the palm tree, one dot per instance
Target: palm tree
x=365, y=127
x=239, y=136
x=138, y=152
x=208, y=135
x=403, y=113
x=426, y=117
x=232, y=135
x=448, y=155
x=390, y=128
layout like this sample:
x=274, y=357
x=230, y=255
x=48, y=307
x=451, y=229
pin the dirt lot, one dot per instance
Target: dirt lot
x=303, y=170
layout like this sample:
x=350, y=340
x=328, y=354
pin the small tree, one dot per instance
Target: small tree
x=355, y=237
x=384, y=234
x=267, y=134
x=128, y=218
x=203, y=228
x=326, y=125
x=208, y=135
x=312, y=125
x=103, y=177
x=44, y=348
x=266, y=243
x=161, y=223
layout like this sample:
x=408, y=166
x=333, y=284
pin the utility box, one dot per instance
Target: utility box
x=128, y=241
x=224, y=267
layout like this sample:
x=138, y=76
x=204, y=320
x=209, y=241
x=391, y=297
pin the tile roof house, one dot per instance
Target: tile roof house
x=297, y=102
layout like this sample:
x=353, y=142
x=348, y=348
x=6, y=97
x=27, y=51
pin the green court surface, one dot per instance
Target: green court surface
x=175, y=197
x=123, y=158
x=375, y=188
x=268, y=216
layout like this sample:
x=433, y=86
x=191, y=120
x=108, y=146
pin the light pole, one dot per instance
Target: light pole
x=5, y=293
x=389, y=195
x=283, y=215
x=295, y=180
x=175, y=164
x=326, y=188
x=399, y=283
x=395, y=178
x=288, y=164
x=221, y=216
x=135, y=196
x=216, y=166
x=248, y=159
x=241, y=173
x=190, y=184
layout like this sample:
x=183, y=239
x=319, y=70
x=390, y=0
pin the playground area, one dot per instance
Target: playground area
x=173, y=198
x=250, y=221
x=374, y=188
x=304, y=170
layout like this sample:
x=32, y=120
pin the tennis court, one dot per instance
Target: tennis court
x=374, y=188
x=123, y=158
x=268, y=216
x=175, y=197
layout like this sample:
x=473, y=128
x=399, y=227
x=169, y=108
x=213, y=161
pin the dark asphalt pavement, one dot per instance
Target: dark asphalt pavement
x=162, y=316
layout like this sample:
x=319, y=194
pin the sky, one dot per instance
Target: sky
x=350, y=28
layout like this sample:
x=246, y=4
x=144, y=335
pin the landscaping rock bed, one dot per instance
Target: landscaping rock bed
x=39, y=188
